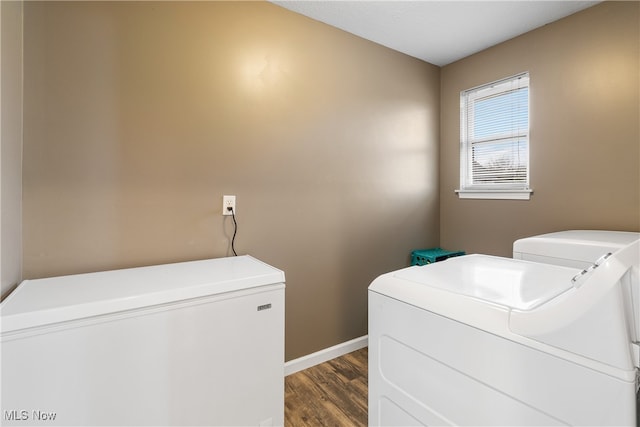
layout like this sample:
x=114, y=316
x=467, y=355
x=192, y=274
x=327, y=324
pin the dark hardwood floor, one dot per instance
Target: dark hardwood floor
x=333, y=393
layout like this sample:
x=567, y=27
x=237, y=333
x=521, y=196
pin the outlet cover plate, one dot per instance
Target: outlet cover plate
x=228, y=202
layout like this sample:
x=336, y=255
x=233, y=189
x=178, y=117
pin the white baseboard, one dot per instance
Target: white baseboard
x=304, y=362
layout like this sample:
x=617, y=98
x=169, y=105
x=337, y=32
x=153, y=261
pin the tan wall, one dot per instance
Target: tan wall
x=139, y=116
x=11, y=146
x=585, y=133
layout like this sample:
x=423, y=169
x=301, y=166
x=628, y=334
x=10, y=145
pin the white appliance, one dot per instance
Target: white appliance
x=483, y=340
x=192, y=343
x=573, y=248
x=579, y=248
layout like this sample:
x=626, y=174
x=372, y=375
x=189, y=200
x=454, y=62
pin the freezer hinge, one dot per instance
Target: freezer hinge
x=635, y=351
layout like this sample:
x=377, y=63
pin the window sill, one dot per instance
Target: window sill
x=495, y=194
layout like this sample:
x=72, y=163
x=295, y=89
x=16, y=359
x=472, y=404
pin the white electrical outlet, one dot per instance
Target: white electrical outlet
x=228, y=203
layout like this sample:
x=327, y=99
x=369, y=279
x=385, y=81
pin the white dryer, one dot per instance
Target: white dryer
x=579, y=248
x=483, y=340
x=573, y=248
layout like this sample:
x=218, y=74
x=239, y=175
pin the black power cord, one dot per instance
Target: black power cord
x=235, y=230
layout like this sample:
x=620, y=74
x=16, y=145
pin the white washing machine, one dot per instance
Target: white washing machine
x=483, y=340
x=192, y=343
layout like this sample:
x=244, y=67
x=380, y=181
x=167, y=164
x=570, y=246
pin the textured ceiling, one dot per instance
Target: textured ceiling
x=439, y=32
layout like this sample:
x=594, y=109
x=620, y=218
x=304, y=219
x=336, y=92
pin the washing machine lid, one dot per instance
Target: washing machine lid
x=577, y=245
x=53, y=300
x=498, y=281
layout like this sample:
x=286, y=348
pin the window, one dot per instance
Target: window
x=494, y=140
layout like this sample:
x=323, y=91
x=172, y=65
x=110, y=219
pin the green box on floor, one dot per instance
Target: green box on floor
x=427, y=256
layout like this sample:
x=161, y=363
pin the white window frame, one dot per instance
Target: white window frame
x=468, y=189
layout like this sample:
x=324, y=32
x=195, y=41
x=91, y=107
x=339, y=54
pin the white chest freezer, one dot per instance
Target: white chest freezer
x=193, y=343
x=482, y=340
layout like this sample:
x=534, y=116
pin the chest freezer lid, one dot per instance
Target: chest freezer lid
x=42, y=302
x=578, y=245
x=499, y=281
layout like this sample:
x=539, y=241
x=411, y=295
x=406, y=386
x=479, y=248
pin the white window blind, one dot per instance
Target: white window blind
x=494, y=132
